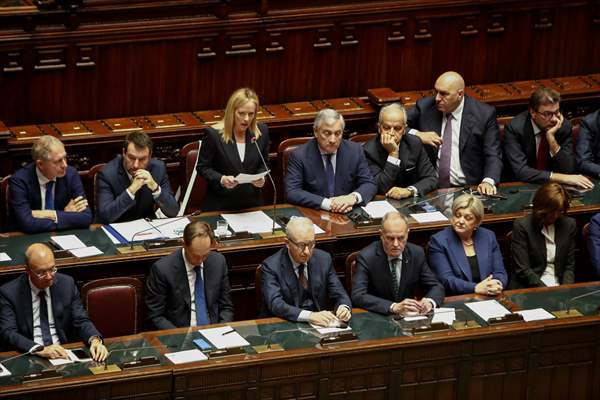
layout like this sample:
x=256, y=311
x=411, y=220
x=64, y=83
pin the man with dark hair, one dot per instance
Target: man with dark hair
x=190, y=287
x=588, y=145
x=41, y=310
x=47, y=194
x=131, y=184
x=538, y=143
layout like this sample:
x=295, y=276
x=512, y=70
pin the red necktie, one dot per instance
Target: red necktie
x=542, y=153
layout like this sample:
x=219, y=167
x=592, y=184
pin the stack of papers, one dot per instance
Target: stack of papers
x=182, y=357
x=329, y=330
x=488, y=309
x=424, y=218
x=142, y=229
x=445, y=315
x=75, y=246
x=224, y=337
x=253, y=222
x=377, y=209
x=4, y=257
x=249, y=178
x=537, y=314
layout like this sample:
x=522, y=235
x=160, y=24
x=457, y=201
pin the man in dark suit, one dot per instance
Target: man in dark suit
x=329, y=172
x=389, y=271
x=47, y=195
x=41, y=310
x=398, y=162
x=299, y=281
x=538, y=143
x=461, y=135
x=130, y=185
x=588, y=145
x=190, y=287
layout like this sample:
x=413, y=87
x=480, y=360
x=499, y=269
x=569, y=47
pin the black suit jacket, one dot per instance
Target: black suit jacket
x=521, y=154
x=480, y=152
x=218, y=158
x=588, y=145
x=528, y=248
x=280, y=285
x=415, y=169
x=372, y=281
x=168, y=300
x=16, y=315
x=113, y=203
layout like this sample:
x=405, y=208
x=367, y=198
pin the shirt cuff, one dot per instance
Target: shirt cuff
x=489, y=180
x=553, y=154
x=412, y=131
x=414, y=190
x=326, y=204
x=304, y=316
x=345, y=306
x=156, y=194
x=358, y=197
x=433, y=303
x=393, y=160
x=129, y=193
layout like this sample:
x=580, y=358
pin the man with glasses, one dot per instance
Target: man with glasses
x=398, y=162
x=41, y=310
x=299, y=281
x=329, y=172
x=389, y=271
x=133, y=184
x=47, y=194
x=538, y=143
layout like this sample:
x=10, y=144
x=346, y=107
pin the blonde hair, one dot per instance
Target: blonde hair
x=471, y=203
x=237, y=100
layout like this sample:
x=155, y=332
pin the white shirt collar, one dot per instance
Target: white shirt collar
x=536, y=129
x=42, y=180
x=457, y=113
x=189, y=266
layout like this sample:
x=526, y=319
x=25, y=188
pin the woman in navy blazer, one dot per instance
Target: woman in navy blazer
x=466, y=257
x=231, y=147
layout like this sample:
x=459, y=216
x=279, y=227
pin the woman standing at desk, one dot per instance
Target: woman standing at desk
x=231, y=147
x=465, y=257
x=543, y=243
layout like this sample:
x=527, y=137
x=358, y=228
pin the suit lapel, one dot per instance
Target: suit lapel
x=290, y=278
x=315, y=283
x=230, y=149
x=316, y=163
x=36, y=196
x=382, y=269
x=529, y=141
x=404, y=272
x=26, y=302
x=458, y=253
x=466, y=124
x=57, y=307
x=481, y=252
x=181, y=276
x=124, y=180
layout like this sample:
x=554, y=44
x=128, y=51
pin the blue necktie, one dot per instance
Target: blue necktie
x=49, y=201
x=330, y=175
x=200, y=299
x=44, y=324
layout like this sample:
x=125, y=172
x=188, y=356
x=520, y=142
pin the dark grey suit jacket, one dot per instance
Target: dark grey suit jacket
x=588, y=145
x=480, y=152
x=528, y=248
x=372, y=282
x=168, y=301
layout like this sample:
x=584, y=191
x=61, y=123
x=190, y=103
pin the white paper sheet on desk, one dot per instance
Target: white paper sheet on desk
x=536, y=314
x=328, y=330
x=424, y=218
x=377, y=209
x=444, y=314
x=488, y=309
x=411, y=318
x=187, y=356
x=140, y=228
x=4, y=257
x=68, y=242
x=86, y=252
x=62, y=361
x=253, y=222
x=221, y=341
x=113, y=239
x=4, y=371
x=171, y=228
x=249, y=178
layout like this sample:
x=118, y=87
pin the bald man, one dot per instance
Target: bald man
x=41, y=310
x=461, y=135
x=299, y=281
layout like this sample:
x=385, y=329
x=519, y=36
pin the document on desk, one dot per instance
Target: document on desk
x=4, y=257
x=444, y=314
x=536, y=314
x=424, y=218
x=4, y=371
x=140, y=228
x=224, y=337
x=249, y=178
x=187, y=356
x=171, y=228
x=253, y=222
x=488, y=309
x=86, y=252
x=67, y=242
x=323, y=330
x=377, y=209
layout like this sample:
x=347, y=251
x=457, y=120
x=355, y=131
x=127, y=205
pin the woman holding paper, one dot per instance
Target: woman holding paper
x=543, y=243
x=466, y=257
x=231, y=147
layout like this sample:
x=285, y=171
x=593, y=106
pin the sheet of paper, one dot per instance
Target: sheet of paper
x=68, y=242
x=113, y=239
x=377, y=209
x=253, y=222
x=139, y=230
x=187, y=356
x=4, y=371
x=414, y=318
x=224, y=337
x=536, y=314
x=249, y=178
x=445, y=315
x=171, y=228
x=62, y=361
x=86, y=252
x=488, y=309
x=424, y=218
x=328, y=330
x=4, y=257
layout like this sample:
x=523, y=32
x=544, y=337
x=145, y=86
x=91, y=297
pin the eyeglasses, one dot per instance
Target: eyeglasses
x=302, y=246
x=392, y=239
x=549, y=114
x=44, y=274
x=390, y=129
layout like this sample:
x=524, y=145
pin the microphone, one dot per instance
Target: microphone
x=337, y=337
x=253, y=140
x=572, y=299
x=34, y=349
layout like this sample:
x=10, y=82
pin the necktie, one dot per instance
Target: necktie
x=446, y=154
x=44, y=324
x=301, y=276
x=200, y=299
x=330, y=175
x=49, y=200
x=395, y=283
x=542, y=153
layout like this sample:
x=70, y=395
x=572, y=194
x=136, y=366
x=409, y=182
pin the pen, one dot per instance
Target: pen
x=228, y=332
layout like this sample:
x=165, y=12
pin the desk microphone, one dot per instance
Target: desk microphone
x=253, y=140
x=34, y=349
x=326, y=339
x=581, y=296
x=155, y=227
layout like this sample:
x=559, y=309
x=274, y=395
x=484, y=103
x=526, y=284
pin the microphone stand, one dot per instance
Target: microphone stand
x=568, y=312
